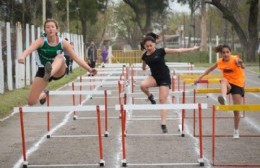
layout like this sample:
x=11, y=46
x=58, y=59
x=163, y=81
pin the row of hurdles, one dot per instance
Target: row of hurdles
x=123, y=84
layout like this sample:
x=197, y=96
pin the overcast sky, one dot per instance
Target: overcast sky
x=176, y=7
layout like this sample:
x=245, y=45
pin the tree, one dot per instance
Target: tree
x=193, y=5
x=248, y=38
x=144, y=11
x=203, y=26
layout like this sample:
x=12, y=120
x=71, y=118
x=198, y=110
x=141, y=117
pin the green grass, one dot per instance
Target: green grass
x=18, y=97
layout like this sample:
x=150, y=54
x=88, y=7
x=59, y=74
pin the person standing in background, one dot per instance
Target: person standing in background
x=104, y=54
x=92, y=55
x=71, y=60
x=68, y=60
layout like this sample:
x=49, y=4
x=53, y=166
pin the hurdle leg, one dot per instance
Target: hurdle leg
x=48, y=116
x=201, y=160
x=106, y=121
x=123, y=162
x=73, y=102
x=213, y=135
x=25, y=162
x=102, y=162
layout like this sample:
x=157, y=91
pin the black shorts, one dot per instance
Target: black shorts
x=41, y=71
x=236, y=90
x=163, y=81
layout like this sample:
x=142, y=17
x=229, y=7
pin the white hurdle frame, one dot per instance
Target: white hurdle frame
x=76, y=92
x=145, y=107
x=39, y=109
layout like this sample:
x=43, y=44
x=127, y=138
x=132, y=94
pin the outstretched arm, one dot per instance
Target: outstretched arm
x=206, y=72
x=240, y=63
x=180, y=50
x=74, y=56
x=34, y=46
x=144, y=66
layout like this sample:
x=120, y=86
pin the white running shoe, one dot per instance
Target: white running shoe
x=236, y=134
x=222, y=100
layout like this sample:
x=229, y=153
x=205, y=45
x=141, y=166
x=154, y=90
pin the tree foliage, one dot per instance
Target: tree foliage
x=144, y=11
x=247, y=36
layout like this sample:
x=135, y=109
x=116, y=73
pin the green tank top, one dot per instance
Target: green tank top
x=47, y=53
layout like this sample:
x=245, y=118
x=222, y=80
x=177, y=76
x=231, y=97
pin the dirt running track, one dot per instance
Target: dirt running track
x=140, y=149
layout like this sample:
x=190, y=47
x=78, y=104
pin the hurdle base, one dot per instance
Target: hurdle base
x=102, y=163
x=75, y=117
x=48, y=136
x=180, y=130
x=201, y=161
x=25, y=164
x=106, y=134
x=123, y=163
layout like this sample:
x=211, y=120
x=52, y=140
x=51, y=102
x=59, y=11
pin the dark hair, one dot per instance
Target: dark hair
x=219, y=48
x=152, y=37
x=66, y=39
x=155, y=36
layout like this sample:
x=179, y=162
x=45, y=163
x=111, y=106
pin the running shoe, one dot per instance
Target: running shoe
x=164, y=129
x=43, y=100
x=47, y=73
x=222, y=100
x=151, y=98
x=236, y=134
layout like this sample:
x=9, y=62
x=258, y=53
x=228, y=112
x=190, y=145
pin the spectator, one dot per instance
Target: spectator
x=92, y=55
x=104, y=54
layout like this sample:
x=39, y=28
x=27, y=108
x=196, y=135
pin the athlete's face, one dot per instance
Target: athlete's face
x=50, y=28
x=149, y=46
x=225, y=54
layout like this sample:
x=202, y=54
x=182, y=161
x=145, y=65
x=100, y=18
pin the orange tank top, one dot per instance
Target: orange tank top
x=230, y=71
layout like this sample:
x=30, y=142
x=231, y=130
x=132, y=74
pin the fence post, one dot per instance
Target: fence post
x=19, y=68
x=27, y=61
x=9, y=57
x=33, y=60
x=1, y=65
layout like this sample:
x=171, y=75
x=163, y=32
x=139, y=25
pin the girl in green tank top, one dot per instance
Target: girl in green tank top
x=51, y=62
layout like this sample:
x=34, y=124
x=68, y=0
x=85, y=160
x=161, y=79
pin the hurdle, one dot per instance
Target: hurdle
x=225, y=108
x=73, y=93
x=145, y=107
x=39, y=109
x=217, y=90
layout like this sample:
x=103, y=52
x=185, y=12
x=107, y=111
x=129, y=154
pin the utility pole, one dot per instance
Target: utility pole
x=68, y=15
x=43, y=11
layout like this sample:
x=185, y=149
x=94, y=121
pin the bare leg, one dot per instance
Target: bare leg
x=58, y=66
x=225, y=87
x=237, y=99
x=163, y=94
x=146, y=84
x=36, y=90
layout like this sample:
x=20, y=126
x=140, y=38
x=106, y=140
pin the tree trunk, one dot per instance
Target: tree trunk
x=203, y=26
x=248, y=43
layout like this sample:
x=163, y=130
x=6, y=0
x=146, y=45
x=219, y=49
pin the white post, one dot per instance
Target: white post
x=33, y=61
x=19, y=68
x=9, y=57
x=43, y=11
x=27, y=61
x=1, y=66
x=217, y=43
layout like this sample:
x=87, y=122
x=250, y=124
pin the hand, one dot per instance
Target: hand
x=196, y=81
x=196, y=47
x=21, y=60
x=93, y=71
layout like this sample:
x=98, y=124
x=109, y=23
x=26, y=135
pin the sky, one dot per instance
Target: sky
x=176, y=7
